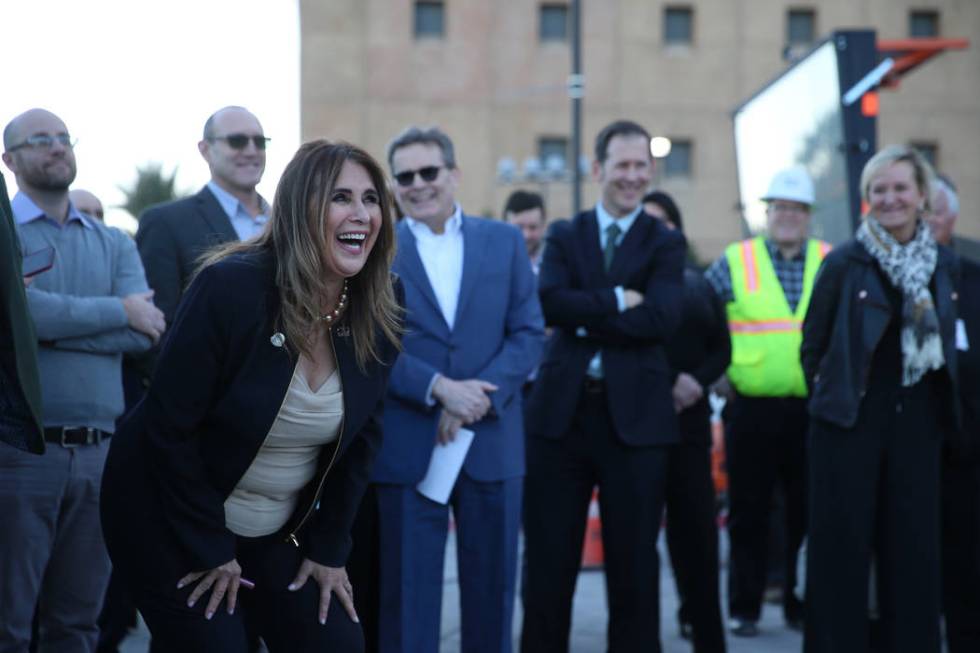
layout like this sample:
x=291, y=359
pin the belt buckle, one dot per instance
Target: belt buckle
x=92, y=436
x=64, y=432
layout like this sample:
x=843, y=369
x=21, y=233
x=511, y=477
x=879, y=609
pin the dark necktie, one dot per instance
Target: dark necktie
x=612, y=234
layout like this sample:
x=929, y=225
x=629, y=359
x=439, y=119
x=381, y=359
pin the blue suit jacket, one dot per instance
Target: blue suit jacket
x=497, y=337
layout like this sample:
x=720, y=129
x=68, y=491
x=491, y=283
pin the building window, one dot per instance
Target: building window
x=678, y=26
x=801, y=26
x=553, y=23
x=678, y=162
x=430, y=19
x=924, y=23
x=553, y=153
x=929, y=150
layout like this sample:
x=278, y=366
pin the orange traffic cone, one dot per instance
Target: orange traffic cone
x=592, y=554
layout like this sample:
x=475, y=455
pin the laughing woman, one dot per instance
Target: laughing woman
x=229, y=491
x=878, y=353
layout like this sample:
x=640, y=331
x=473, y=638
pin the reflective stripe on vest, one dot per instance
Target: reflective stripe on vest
x=765, y=326
x=766, y=334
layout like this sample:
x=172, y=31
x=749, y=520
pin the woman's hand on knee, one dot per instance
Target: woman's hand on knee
x=330, y=579
x=222, y=581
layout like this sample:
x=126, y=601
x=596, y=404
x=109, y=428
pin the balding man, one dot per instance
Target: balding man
x=87, y=203
x=172, y=236
x=961, y=474
x=88, y=309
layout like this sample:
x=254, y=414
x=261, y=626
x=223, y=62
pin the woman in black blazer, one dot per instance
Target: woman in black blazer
x=879, y=357
x=230, y=489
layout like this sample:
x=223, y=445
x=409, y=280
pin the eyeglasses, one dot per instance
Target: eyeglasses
x=44, y=142
x=240, y=141
x=407, y=177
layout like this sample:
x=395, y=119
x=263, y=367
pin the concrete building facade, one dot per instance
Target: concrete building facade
x=493, y=75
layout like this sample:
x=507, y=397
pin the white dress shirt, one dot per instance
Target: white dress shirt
x=442, y=258
x=624, y=223
x=244, y=224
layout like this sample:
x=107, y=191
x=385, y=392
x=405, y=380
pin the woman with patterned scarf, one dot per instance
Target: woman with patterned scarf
x=878, y=353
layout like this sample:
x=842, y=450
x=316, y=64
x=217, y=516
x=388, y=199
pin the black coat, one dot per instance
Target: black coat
x=171, y=238
x=969, y=360
x=848, y=314
x=702, y=347
x=20, y=385
x=578, y=300
x=216, y=392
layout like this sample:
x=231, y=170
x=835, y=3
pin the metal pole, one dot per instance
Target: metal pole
x=575, y=91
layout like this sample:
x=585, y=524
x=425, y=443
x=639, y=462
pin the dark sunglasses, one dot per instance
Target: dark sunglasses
x=240, y=141
x=428, y=173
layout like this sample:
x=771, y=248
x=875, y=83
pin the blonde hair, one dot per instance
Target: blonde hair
x=891, y=155
x=296, y=237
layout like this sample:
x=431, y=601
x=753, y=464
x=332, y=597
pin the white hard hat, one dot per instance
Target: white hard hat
x=792, y=184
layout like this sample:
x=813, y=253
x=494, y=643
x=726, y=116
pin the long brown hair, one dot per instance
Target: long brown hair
x=296, y=237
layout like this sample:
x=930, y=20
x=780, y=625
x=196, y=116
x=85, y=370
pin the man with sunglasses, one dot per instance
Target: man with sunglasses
x=92, y=306
x=172, y=236
x=473, y=332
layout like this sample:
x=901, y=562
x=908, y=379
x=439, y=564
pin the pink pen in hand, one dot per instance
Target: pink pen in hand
x=246, y=583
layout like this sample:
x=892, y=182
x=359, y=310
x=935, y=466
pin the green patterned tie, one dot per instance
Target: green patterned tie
x=612, y=234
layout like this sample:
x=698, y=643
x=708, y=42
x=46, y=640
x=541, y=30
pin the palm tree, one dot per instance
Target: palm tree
x=151, y=187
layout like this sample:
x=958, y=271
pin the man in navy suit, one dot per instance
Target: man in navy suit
x=473, y=332
x=601, y=411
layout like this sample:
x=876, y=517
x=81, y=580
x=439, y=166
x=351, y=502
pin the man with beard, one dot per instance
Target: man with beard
x=88, y=309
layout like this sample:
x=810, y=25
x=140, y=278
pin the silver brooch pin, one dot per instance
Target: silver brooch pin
x=343, y=331
x=277, y=339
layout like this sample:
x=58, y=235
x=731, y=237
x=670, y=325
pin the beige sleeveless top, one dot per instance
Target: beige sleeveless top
x=266, y=495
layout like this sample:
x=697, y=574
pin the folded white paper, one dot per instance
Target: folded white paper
x=444, y=466
x=961, y=342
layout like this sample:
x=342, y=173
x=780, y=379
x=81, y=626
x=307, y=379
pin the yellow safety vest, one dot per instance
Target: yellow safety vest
x=766, y=335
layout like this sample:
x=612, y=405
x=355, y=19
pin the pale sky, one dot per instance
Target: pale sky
x=134, y=81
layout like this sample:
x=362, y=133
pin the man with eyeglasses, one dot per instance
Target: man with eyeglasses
x=765, y=284
x=92, y=306
x=473, y=332
x=172, y=236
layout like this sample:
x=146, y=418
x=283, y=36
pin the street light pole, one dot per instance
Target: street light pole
x=575, y=92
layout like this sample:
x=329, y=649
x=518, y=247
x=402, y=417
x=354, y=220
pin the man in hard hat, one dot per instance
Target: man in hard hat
x=765, y=283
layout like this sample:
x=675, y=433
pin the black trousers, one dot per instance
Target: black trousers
x=364, y=567
x=874, y=491
x=692, y=539
x=961, y=556
x=767, y=445
x=560, y=477
x=286, y=621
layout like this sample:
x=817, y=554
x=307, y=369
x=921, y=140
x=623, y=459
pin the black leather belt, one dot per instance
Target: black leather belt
x=594, y=386
x=74, y=436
